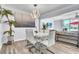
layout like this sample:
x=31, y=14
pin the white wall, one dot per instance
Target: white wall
x=22, y=18
x=58, y=25
x=20, y=33
x=0, y=35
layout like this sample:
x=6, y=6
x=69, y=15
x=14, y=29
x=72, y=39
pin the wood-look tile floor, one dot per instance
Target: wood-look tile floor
x=64, y=48
x=20, y=48
x=16, y=48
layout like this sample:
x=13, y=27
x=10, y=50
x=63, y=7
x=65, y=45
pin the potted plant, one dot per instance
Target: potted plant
x=6, y=13
x=44, y=27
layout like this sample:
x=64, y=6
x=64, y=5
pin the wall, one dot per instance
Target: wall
x=23, y=19
x=0, y=35
x=58, y=25
x=20, y=34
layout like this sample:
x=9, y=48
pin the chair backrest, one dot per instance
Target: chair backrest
x=51, y=38
x=29, y=34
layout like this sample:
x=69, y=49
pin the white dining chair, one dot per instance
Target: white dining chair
x=30, y=36
x=50, y=39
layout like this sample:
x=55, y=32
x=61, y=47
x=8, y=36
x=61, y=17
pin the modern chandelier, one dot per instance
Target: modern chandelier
x=35, y=13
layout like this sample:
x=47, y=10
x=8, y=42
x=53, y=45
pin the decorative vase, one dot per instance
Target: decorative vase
x=10, y=40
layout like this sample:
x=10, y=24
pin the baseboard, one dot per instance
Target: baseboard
x=19, y=40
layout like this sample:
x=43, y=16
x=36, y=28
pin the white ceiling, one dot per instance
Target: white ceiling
x=43, y=8
x=46, y=10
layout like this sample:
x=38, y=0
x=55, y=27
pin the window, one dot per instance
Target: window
x=71, y=24
x=66, y=25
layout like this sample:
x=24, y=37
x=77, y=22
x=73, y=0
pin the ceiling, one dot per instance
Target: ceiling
x=43, y=8
x=46, y=10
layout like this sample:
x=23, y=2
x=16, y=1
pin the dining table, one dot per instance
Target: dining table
x=40, y=36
